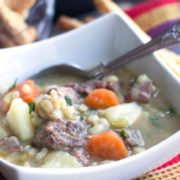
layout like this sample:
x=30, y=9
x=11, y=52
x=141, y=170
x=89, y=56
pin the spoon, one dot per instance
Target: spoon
x=166, y=39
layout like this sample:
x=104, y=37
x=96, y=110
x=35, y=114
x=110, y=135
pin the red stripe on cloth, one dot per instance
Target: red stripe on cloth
x=170, y=163
x=141, y=8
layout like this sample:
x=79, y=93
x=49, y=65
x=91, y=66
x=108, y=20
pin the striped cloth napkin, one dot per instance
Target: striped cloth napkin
x=154, y=17
x=170, y=170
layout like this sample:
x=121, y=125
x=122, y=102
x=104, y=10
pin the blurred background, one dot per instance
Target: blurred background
x=80, y=7
x=41, y=19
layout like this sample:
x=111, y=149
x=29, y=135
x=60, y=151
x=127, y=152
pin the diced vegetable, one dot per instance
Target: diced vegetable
x=154, y=120
x=68, y=100
x=107, y=145
x=123, y=115
x=28, y=90
x=122, y=133
x=31, y=107
x=142, y=78
x=8, y=98
x=19, y=120
x=170, y=112
x=101, y=98
x=60, y=159
x=111, y=78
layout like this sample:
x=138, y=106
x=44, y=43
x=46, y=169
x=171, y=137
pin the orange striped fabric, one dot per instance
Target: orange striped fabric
x=155, y=16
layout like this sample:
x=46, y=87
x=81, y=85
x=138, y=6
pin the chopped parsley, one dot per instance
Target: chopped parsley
x=122, y=133
x=68, y=100
x=133, y=82
x=31, y=107
x=170, y=112
x=81, y=118
x=154, y=119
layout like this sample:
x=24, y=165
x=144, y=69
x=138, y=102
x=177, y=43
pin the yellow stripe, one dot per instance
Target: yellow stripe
x=158, y=16
x=170, y=172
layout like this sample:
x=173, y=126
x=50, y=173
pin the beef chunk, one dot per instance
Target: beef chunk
x=87, y=87
x=59, y=134
x=140, y=92
x=11, y=144
x=84, y=88
x=82, y=155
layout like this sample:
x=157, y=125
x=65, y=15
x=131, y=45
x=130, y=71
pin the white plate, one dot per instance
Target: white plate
x=101, y=40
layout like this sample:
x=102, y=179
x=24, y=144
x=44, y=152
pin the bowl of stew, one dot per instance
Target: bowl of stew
x=59, y=126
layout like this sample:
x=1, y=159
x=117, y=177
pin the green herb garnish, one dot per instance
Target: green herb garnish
x=81, y=118
x=68, y=100
x=154, y=120
x=14, y=84
x=31, y=107
x=132, y=82
x=170, y=112
x=122, y=133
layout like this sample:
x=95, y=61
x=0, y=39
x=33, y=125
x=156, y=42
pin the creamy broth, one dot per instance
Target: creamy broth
x=163, y=127
x=153, y=132
x=56, y=79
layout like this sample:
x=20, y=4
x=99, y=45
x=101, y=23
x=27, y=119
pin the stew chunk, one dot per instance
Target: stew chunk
x=59, y=134
x=141, y=91
x=11, y=144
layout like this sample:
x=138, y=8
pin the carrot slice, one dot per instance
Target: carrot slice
x=107, y=145
x=28, y=90
x=101, y=98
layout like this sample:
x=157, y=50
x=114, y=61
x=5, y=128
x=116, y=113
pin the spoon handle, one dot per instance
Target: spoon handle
x=169, y=38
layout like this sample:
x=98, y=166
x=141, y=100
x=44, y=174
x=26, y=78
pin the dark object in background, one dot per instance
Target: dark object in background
x=38, y=12
x=77, y=7
x=73, y=7
x=2, y=177
x=44, y=11
x=41, y=16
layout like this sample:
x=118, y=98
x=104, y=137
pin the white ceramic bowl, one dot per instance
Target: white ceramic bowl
x=101, y=40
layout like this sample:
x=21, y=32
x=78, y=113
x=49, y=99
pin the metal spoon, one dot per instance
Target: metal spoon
x=169, y=38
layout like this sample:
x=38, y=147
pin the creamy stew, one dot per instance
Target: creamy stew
x=62, y=122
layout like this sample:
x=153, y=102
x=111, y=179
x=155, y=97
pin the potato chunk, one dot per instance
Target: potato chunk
x=60, y=159
x=122, y=115
x=19, y=120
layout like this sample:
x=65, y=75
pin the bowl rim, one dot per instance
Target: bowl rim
x=80, y=170
x=142, y=36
